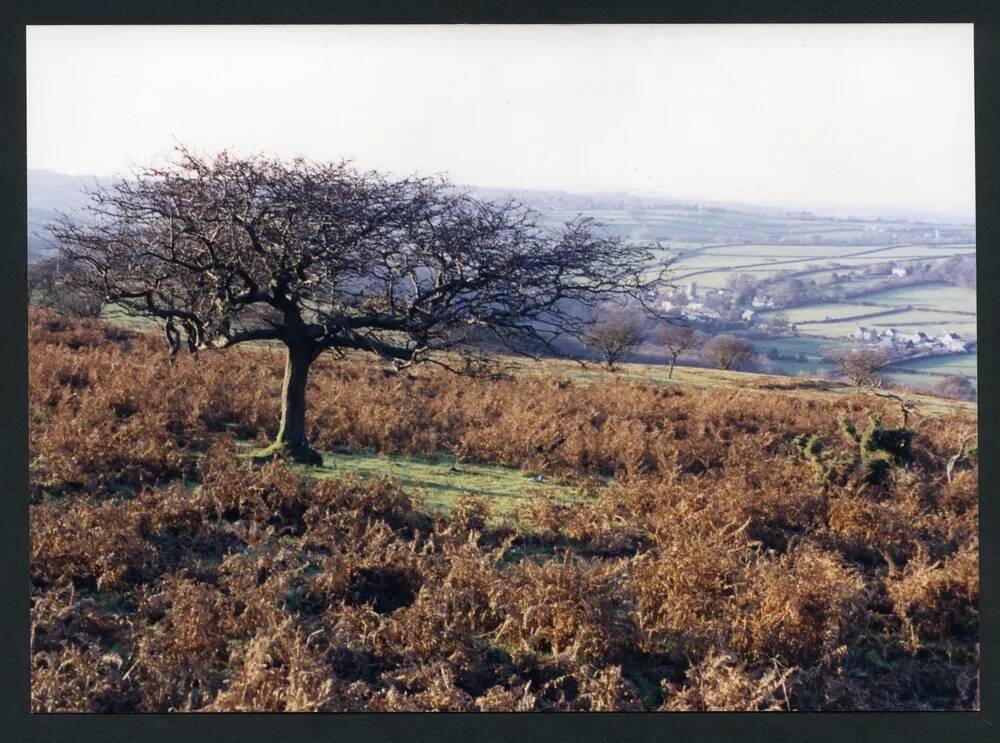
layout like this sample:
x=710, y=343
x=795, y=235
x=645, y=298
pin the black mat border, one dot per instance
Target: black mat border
x=16, y=724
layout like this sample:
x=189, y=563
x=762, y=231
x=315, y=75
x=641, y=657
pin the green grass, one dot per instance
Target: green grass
x=936, y=295
x=440, y=479
x=115, y=315
x=825, y=311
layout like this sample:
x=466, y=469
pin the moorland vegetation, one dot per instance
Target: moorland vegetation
x=729, y=549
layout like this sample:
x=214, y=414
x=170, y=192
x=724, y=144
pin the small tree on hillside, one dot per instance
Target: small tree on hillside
x=727, y=352
x=959, y=388
x=51, y=284
x=677, y=339
x=614, y=338
x=324, y=257
x=862, y=367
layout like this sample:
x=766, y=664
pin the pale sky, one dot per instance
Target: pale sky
x=865, y=115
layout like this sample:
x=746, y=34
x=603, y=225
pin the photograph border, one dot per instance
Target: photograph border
x=21, y=725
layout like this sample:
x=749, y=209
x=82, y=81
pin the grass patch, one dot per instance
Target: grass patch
x=442, y=478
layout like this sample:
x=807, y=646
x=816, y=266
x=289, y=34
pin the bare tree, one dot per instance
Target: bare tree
x=964, y=451
x=862, y=367
x=743, y=286
x=318, y=257
x=955, y=387
x=727, y=352
x=677, y=339
x=51, y=285
x=615, y=337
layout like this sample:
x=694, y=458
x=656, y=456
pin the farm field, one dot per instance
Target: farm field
x=712, y=267
x=937, y=296
x=964, y=364
x=926, y=372
x=904, y=377
x=808, y=345
x=796, y=368
x=936, y=307
x=783, y=251
x=817, y=313
x=932, y=323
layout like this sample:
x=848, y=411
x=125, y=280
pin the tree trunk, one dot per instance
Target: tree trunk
x=291, y=439
x=673, y=363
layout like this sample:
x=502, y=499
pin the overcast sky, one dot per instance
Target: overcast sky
x=770, y=114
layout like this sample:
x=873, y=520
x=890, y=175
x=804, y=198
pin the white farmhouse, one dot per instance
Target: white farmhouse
x=952, y=342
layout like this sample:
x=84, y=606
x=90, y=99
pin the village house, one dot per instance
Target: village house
x=698, y=311
x=952, y=342
x=761, y=303
x=900, y=271
x=870, y=335
x=913, y=338
x=892, y=338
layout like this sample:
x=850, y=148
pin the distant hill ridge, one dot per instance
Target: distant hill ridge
x=626, y=214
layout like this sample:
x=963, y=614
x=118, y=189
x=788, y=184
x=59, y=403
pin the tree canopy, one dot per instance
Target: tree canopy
x=321, y=256
x=727, y=352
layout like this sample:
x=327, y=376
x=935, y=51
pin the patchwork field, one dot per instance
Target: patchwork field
x=933, y=307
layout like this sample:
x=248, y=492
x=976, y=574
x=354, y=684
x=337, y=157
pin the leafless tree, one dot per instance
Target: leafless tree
x=677, y=339
x=862, y=367
x=727, y=352
x=319, y=256
x=964, y=451
x=956, y=387
x=615, y=337
x=51, y=285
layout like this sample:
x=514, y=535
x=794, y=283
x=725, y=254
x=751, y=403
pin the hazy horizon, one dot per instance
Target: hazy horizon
x=873, y=117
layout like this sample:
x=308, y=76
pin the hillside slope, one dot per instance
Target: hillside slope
x=726, y=547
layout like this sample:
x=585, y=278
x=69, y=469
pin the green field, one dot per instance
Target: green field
x=810, y=346
x=712, y=266
x=917, y=380
x=964, y=364
x=824, y=311
x=810, y=252
x=934, y=295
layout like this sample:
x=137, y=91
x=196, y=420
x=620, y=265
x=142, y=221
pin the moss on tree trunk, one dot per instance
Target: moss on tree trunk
x=291, y=441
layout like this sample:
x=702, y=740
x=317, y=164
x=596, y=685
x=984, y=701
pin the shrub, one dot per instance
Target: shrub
x=727, y=352
x=959, y=388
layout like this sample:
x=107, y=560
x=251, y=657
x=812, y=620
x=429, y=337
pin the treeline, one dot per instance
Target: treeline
x=959, y=270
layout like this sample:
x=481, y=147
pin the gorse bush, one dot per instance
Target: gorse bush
x=731, y=562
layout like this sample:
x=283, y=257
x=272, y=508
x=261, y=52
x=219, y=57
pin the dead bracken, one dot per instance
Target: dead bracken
x=170, y=573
